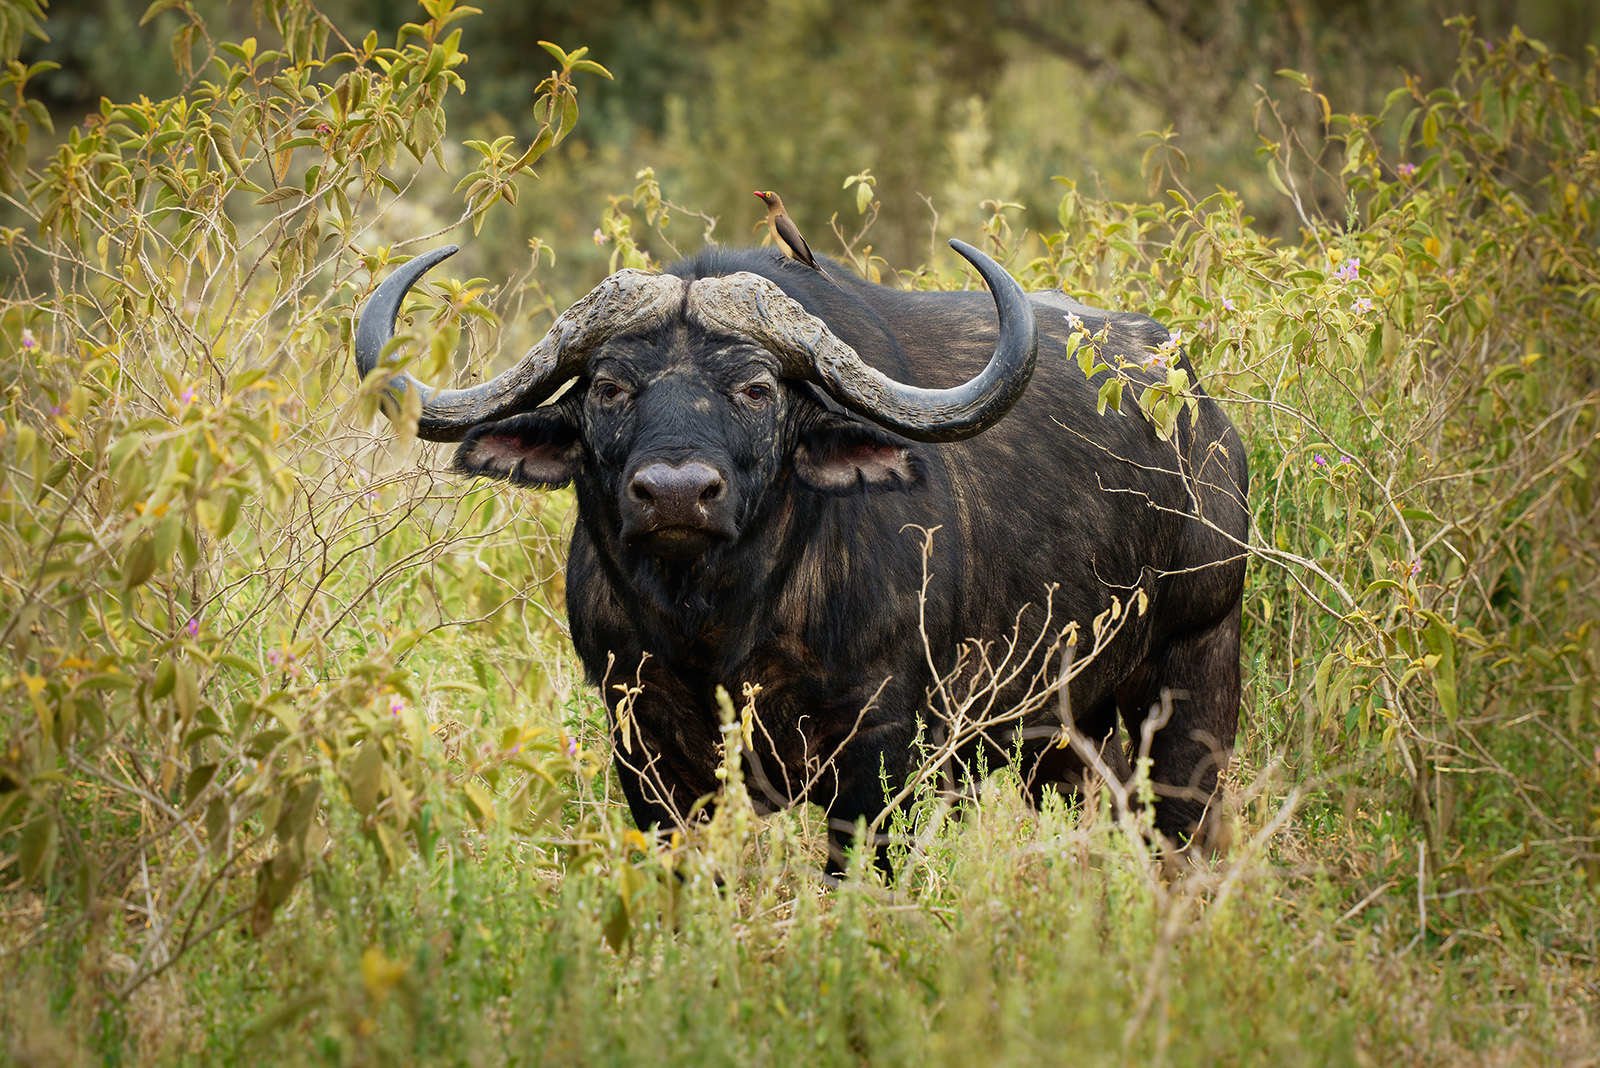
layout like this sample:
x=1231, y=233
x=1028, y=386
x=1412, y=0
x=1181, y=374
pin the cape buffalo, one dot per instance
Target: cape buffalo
x=759, y=457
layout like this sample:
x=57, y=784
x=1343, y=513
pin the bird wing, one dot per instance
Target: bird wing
x=789, y=234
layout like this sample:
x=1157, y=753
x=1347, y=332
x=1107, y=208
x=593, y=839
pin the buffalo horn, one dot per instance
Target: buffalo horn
x=747, y=304
x=628, y=300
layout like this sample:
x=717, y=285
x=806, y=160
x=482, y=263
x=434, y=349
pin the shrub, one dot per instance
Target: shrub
x=216, y=592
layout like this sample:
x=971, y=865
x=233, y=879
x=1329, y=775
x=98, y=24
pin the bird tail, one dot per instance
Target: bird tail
x=829, y=277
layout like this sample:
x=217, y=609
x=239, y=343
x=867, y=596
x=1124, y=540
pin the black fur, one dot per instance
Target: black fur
x=814, y=593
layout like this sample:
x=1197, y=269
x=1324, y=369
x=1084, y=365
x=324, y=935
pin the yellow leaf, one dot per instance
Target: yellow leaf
x=380, y=974
x=480, y=800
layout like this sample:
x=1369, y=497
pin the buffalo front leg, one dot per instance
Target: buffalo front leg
x=1193, y=684
x=859, y=784
x=658, y=797
x=665, y=761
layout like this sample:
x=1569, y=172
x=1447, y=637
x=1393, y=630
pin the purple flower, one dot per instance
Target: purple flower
x=1362, y=306
x=1320, y=460
x=28, y=340
x=1227, y=304
x=1346, y=460
x=193, y=629
x=323, y=129
x=397, y=705
x=1407, y=170
x=599, y=237
x=1073, y=321
x=572, y=747
x=55, y=409
x=1416, y=567
x=186, y=398
x=274, y=657
x=1348, y=270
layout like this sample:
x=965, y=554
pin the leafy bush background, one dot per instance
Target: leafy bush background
x=295, y=760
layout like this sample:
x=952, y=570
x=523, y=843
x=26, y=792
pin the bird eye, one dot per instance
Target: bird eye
x=758, y=393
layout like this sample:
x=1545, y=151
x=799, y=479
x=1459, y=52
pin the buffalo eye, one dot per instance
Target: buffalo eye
x=757, y=393
x=608, y=393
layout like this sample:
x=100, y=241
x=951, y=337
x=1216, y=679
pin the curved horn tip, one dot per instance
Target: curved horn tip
x=1001, y=282
x=375, y=324
x=424, y=263
x=972, y=254
x=410, y=272
x=438, y=255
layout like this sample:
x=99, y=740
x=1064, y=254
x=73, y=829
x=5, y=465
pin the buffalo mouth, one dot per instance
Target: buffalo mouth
x=678, y=543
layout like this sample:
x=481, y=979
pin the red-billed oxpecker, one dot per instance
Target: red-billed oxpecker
x=787, y=234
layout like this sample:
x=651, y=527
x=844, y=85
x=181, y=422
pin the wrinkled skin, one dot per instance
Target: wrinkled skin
x=738, y=528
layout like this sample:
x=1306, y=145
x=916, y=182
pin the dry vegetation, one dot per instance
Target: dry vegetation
x=295, y=766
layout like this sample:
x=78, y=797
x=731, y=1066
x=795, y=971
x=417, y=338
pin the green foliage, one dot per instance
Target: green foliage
x=196, y=549
x=293, y=765
x=1422, y=416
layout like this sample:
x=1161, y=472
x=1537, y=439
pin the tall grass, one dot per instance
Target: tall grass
x=296, y=764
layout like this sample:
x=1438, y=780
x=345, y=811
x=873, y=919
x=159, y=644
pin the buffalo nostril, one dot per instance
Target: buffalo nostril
x=675, y=495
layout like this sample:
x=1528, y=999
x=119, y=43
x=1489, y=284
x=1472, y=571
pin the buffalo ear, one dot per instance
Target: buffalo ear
x=848, y=457
x=534, y=449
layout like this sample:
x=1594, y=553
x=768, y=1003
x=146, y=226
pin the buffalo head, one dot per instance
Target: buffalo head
x=695, y=398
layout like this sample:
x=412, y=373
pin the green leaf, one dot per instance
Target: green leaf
x=230, y=515
x=456, y=687
x=281, y=194
x=1319, y=682
x=139, y=563
x=166, y=537
x=1380, y=584
x=38, y=853
x=166, y=679
x=197, y=780
x=249, y=667
x=617, y=924
x=366, y=776
x=1110, y=395
x=185, y=692
x=156, y=8
x=1276, y=178
x=435, y=64
x=106, y=680
x=218, y=820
